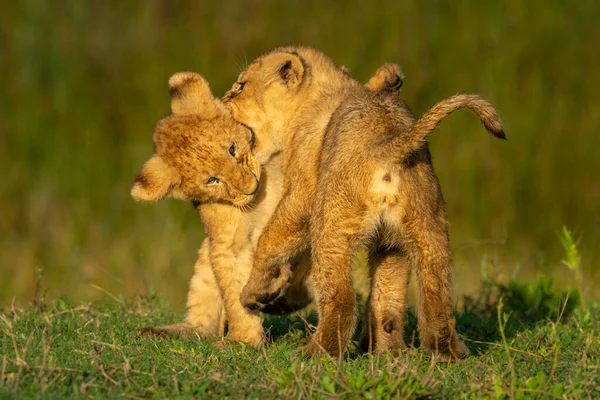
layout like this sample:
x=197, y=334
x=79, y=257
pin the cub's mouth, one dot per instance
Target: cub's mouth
x=244, y=199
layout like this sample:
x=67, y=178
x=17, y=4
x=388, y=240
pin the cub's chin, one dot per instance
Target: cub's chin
x=243, y=200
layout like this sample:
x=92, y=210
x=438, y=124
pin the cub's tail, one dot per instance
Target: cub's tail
x=431, y=119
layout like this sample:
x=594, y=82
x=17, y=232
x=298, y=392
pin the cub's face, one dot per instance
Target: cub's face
x=212, y=158
x=266, y=91
x=201, y=153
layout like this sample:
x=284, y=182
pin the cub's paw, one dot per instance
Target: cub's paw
x=313, y=349
x=261, y=291
x=389, y=77
x=250, y=337
x=457, y=351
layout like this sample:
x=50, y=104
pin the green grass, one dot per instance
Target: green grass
x=85, y=82
x=528, y=340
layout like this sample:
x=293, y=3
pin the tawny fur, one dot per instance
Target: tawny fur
x=357, y=171
x=192, y=145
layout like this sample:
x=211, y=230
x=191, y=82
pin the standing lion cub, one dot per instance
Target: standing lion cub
x=202, y=154
x=357, y=171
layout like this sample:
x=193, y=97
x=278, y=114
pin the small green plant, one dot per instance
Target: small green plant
x=572, y=258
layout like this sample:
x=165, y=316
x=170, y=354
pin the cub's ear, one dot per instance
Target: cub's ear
x=190, y=94
x=285, y=67
x=155, y=181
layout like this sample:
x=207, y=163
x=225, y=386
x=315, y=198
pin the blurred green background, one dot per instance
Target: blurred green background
x=84, y=82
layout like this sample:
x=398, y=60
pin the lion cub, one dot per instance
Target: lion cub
x=204, y=155
x=357, y=171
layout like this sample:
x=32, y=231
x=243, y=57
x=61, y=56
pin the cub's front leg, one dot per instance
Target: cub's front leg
x=283, y=237
x=231, y=263
x=232, y=273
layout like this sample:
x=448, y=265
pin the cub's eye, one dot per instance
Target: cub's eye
x=212, y=180
x=232, y=149
x=235, y=91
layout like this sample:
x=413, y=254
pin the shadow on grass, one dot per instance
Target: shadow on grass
x=524, y=305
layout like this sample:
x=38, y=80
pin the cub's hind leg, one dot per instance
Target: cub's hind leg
x=337, y=228
x=205, y=314
x=383, y=324
x=437, y=326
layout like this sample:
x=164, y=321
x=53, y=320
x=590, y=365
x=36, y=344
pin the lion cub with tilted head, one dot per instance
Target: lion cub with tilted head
x=357, y=171
x=202, y=154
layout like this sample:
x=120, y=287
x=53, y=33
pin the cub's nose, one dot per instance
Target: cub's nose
x=256, y=186
x=249, y=188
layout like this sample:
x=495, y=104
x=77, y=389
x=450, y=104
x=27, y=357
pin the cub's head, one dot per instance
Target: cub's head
x=201, y=153
x=266, y=93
